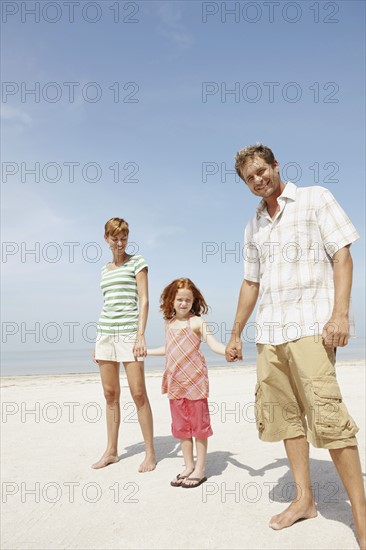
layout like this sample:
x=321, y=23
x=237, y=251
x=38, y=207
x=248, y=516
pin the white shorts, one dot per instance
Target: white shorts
x=111, y=347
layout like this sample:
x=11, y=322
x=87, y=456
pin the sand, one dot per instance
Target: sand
x=53, y=429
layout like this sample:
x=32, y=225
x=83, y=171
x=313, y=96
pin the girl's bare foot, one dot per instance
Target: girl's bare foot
x=297, y=510
x=105, y=461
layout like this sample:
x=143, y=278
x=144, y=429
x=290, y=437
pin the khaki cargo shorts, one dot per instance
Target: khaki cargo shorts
x=297, y=393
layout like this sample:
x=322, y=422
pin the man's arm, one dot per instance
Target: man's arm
x=336, y=331
x=247, y=300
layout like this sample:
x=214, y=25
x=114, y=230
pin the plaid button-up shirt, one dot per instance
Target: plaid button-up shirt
x=291, y=259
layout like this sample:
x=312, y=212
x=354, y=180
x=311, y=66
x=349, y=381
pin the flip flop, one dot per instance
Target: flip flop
x=197, y=479
x=178, y=478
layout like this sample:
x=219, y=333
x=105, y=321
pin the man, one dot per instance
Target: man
x=297, y=261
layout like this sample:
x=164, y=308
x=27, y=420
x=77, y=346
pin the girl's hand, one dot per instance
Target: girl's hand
x=139, y=349
x=234, y=350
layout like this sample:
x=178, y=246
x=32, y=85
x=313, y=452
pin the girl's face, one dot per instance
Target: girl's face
x=117, y=243
x=183, y=302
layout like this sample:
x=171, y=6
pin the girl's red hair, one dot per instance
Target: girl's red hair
x=169, y=293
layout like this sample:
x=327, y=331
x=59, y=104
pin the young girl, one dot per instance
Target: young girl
x=185, y=378
x=120, y=338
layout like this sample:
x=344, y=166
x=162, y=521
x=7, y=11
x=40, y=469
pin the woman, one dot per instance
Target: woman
x=121, y=338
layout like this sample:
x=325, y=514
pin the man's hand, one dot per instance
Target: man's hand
x=336, y=332
x=233, y=351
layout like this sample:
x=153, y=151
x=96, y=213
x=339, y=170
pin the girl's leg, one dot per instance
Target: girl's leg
x=187, y=450
x=199, y=471
x=109, y=372
x=136, y=381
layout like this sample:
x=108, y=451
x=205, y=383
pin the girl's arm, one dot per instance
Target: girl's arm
x=156, y=351
x=215, y=345
x=139, y=349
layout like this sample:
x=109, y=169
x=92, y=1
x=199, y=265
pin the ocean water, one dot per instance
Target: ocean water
x=64, y=361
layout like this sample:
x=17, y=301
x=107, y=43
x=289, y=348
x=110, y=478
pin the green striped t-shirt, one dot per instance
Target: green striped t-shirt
x=120, y=312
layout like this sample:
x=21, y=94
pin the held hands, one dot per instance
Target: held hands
x=233, y=350
x=139, y=349
x=336, y=332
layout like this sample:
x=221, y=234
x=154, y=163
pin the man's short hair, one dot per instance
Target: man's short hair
x=257, y=150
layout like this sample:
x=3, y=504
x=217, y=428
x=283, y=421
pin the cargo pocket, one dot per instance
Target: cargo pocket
x=259, y=408
x=327, y=408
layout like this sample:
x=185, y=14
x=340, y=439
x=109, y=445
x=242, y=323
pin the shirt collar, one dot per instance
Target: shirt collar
x=289, y=193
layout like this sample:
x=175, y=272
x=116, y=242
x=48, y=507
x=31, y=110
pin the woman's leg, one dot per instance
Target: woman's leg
x=109, y=372
x=136, y=381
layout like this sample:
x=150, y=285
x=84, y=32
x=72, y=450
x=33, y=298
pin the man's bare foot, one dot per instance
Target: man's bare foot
x=293, y=513
x=148, y=464
x=105, y=461
x=360, y=525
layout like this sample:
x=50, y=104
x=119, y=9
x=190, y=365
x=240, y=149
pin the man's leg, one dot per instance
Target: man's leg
x=303, y=506
x=279, y=416
x=347, y=462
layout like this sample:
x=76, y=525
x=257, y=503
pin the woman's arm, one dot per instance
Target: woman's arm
x=139, y=349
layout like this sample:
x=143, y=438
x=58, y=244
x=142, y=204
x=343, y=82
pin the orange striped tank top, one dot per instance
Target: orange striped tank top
x=185, y=373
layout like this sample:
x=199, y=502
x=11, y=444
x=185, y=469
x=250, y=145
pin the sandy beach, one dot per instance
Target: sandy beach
x=53, y=429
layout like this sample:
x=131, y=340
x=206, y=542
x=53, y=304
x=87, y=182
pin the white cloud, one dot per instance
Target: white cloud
x=16, y=115
x=171, y=24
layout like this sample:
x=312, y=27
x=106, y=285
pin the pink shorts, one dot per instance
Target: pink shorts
x=190, y=418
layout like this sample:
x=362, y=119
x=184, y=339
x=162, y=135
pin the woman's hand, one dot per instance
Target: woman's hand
x=139, y=349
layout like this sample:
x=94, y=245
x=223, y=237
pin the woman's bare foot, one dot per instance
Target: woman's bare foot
x=297, y=510
x=105, y=461
x=148, y=464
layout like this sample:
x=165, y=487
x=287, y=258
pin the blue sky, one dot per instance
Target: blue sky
x=296, y=76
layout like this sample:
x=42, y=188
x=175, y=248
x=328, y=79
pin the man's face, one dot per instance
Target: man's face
x=262, y=179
